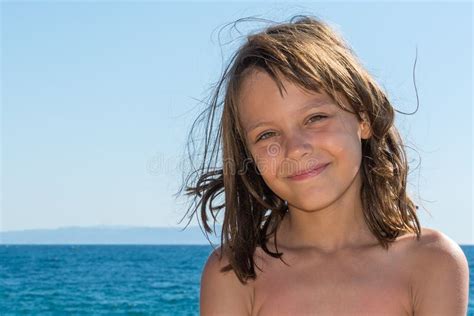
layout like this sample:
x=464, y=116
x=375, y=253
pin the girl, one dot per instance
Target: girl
x=313, y=173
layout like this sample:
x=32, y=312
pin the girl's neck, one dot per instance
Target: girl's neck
x=338, y=226
x=327, y=230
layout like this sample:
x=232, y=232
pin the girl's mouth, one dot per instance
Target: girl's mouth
x=311, y=173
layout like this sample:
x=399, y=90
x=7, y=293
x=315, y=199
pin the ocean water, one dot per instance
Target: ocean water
x=112, y=279
x=99, y=279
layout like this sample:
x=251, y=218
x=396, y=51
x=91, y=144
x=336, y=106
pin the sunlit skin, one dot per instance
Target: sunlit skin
x=304, y=129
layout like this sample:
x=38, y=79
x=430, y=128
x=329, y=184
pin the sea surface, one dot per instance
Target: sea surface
x=110, y=279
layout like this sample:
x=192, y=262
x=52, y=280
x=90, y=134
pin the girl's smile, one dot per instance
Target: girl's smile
x=302, y=175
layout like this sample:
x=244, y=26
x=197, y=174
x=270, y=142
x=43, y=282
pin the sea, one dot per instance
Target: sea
x=111, y=279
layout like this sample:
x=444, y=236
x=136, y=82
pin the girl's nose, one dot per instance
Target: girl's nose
x=297, y=145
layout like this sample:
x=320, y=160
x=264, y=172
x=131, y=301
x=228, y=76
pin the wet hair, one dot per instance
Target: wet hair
x=309, y=53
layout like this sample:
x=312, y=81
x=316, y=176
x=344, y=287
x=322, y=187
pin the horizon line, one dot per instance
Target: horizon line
x=96, y=226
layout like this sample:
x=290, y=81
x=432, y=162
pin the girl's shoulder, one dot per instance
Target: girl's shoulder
x=440, y=274
x=222, y=293
x=431, y=244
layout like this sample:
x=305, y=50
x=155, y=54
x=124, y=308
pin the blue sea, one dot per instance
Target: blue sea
x=110, y=279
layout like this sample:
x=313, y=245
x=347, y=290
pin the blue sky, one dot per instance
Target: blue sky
x=98, y=97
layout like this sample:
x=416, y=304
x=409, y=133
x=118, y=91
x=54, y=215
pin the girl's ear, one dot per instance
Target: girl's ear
x=366, y=129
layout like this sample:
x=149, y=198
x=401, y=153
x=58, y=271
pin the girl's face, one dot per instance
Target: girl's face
x=299, y=132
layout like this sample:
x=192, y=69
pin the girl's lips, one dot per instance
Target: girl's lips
x=309, y=174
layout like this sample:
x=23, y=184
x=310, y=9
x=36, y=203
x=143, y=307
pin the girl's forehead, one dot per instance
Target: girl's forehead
x=259, y=89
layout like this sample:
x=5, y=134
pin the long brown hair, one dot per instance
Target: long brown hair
x=309, y=53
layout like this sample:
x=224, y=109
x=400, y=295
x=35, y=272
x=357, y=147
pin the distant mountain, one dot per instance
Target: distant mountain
x=110, y=235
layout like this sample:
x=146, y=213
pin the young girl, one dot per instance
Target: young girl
x=314, y=174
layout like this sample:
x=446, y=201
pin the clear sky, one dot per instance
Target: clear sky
x=97, y=99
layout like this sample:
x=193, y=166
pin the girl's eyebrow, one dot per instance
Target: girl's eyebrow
x=311, y=105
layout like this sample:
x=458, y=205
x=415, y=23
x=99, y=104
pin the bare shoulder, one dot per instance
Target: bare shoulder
x=221, y=292
x=435, y=245
x=440, y=275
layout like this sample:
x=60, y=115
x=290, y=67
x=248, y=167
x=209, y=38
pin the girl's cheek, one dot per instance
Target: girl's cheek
x=266, y=160
x=346, y=149
x=267, y=151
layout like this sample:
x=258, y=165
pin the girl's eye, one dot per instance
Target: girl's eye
x=261, y=136
x=316, y=117
x=321, y=117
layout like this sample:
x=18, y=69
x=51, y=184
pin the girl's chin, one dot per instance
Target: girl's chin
x=307, y=206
